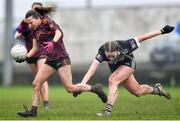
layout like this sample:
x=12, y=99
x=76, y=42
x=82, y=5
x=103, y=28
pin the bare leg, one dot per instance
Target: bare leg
x=66, y=78
x=34, y=69
x=139, y=90
x=65, y=75
x=133, y=87
x=44, y=87
x=43, y=74
x=117, y=77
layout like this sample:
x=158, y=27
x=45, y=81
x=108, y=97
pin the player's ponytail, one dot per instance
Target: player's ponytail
x=45, y=10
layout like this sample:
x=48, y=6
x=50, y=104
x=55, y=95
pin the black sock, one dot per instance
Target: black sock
x=92, y=88
x=95, y=87
x=34, y=109
x=109, y=108
x=45, y=103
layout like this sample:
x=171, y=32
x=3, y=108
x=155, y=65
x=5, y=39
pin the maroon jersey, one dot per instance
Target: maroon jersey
x=24, y=29
x=45, y=33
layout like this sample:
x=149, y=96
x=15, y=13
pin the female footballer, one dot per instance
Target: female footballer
x=47, y=34
x=118, y=54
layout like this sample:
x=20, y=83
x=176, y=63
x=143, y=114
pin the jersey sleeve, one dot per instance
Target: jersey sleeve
x=100, y=57
x=132, y=44
x=33, y=34
x=53, y=26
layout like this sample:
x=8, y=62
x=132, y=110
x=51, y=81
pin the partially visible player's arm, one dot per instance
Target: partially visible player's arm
x=18, y=35
x=164, y=30
x=34, y=49
x=91, y=71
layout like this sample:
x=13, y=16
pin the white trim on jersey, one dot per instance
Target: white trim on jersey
x=137, y=41
x=95, y=60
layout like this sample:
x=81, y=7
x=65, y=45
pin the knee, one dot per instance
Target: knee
x=36, y=84
x=112, y=81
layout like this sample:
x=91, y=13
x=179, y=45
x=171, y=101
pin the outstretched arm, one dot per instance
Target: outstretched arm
x=164, y=30
x=90, y=72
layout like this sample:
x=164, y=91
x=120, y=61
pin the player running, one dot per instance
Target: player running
x=118, y=54
x=47, y=34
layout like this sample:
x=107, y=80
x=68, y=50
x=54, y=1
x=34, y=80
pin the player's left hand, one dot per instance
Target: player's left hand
x=167, y=29
x=49, y=46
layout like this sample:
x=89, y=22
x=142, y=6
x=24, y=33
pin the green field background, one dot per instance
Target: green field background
x=63, y=106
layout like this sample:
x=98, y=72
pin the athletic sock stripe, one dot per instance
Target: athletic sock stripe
x=109, y=110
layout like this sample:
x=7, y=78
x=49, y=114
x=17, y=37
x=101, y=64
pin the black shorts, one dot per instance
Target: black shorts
x=56, y=64
x=34, y=60
x=130, y=63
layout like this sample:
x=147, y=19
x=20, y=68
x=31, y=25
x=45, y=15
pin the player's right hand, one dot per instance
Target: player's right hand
x=20, y=60
x=49, y=46
x=167, y=29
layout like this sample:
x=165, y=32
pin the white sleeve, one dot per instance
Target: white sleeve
x=95, y=60
x=137, y=41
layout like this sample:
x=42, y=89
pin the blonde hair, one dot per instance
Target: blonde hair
x=110, y=46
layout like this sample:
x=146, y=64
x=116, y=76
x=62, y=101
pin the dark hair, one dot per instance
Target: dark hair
x=110, y=46
x=45, y=10
x=37, y=3
x=32, y=13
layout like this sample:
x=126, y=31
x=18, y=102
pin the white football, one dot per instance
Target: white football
x=18, y=51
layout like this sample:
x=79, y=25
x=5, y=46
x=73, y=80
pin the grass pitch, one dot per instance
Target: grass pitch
x=64, y=106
